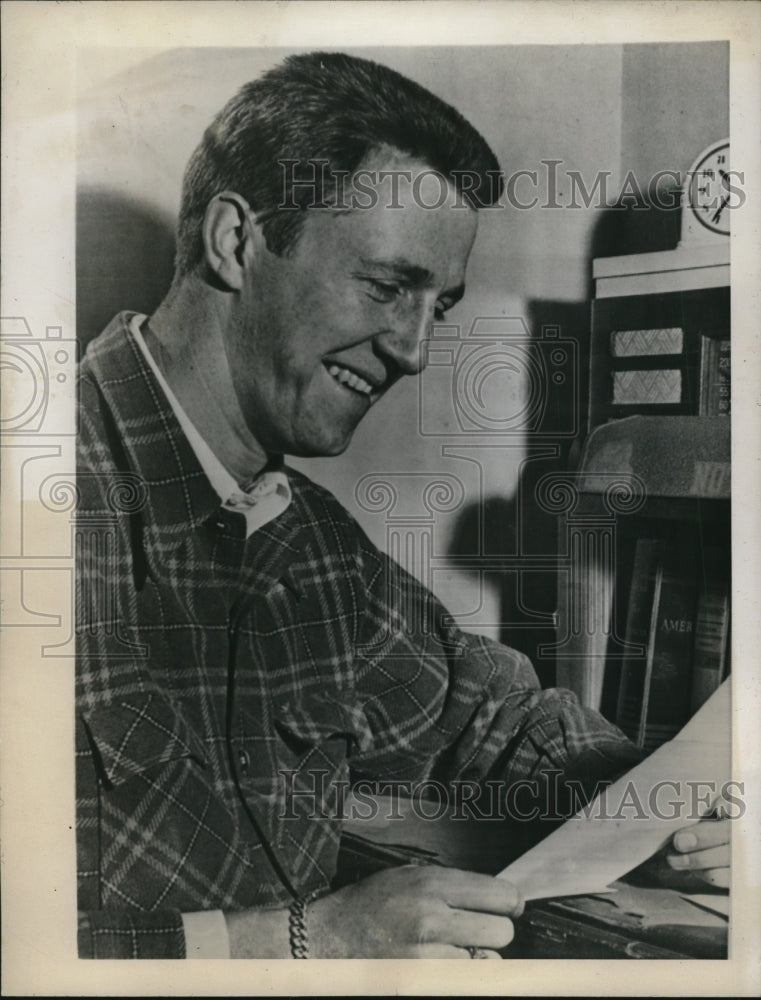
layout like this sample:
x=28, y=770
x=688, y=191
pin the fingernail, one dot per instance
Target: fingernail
x=686, y=841
x=679, y=861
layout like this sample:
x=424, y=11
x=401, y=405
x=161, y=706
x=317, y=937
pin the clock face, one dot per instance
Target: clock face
x=709, y=189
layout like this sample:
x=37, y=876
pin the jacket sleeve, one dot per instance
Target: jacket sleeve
x=453, y=706
x=125, y=934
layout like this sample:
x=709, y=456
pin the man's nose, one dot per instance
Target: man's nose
x=404, y=342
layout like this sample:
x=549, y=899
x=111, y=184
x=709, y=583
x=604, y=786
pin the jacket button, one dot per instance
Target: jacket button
x=243, y=760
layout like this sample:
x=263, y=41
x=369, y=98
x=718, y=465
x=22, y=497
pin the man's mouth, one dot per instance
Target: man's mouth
x=349, y=378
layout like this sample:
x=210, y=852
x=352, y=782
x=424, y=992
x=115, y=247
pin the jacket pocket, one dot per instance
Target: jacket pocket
x=136, y=733
x=315, y=720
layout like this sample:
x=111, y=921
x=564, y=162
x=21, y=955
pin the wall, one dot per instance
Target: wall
x=675, y=102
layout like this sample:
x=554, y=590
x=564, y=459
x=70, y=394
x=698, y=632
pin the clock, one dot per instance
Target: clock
x=706, y=195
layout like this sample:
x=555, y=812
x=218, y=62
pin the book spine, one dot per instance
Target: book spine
x=581, y=668
x=635, y=667
x=666, y=705
x=728, y=648
x=654, y=695
x=724, y=379
x=708, y=352
x=711, y=629
x=715, y=377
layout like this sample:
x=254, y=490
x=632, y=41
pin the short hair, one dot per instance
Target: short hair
x=330, y=107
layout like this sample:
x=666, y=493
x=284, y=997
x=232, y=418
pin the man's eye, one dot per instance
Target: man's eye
x=387, y=291
x=384, y=291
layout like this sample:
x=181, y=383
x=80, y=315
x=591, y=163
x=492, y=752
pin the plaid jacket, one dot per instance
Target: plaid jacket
x=226, y=686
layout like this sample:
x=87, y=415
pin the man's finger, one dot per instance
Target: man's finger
x=709, y=833
x=472, y=891
x=482, y=930
x=714, y=857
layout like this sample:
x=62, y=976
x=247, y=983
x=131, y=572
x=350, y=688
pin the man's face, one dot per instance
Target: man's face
x=320, y=335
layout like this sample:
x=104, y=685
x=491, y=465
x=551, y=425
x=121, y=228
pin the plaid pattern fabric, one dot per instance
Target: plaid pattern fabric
x=226, y=686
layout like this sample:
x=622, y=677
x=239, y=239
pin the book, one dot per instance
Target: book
x=586, y=602
x=714, y=397
x=639, y=624
x=711, y=653
x=654, y=698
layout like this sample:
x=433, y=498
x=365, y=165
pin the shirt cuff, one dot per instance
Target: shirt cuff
x=206, y=934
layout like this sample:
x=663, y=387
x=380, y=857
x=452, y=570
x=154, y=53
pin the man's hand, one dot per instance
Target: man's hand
x=414, y=912
x=703, y=849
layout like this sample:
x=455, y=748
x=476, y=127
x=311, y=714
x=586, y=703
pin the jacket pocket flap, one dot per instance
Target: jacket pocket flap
x=137, y=732
x=314, y=719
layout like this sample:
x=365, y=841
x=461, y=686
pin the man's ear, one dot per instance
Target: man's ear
x=230, y=233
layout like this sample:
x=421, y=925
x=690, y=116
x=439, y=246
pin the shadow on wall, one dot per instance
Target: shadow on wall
x=125, y=258
x=516, y=527
x=642, y=227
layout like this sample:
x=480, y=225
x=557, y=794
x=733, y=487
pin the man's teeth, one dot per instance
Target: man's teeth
x=346, y=377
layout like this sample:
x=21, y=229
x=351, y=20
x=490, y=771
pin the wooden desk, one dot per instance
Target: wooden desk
x=591, y=927
x=595, y=927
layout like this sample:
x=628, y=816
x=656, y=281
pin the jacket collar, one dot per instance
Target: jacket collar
x=180, y=498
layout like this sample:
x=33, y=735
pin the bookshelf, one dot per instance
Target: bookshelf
x=644, y=602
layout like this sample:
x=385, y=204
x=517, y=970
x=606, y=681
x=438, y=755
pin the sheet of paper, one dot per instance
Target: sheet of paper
x=659, y=907
x=635, y=816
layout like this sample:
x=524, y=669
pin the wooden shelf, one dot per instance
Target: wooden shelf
x=680, y=270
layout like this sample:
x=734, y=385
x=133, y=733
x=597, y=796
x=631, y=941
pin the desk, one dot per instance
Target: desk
x=638, y=921
x=593, y=927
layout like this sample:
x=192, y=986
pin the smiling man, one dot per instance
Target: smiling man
x=304, y=342
x=242, y=655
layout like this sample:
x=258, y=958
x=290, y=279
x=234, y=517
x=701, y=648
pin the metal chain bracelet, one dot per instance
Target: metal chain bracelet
x=297, y=928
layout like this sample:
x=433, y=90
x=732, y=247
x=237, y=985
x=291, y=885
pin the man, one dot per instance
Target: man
x=243, y=648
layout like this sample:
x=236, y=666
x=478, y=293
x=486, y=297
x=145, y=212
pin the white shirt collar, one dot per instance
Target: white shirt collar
x=270, y=493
